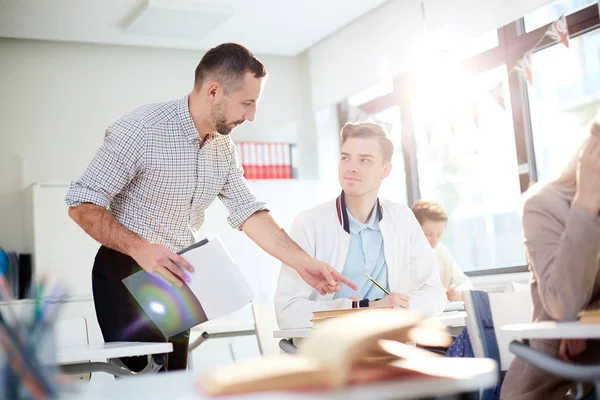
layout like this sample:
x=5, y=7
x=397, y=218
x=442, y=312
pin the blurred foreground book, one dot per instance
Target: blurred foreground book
x=359, y=347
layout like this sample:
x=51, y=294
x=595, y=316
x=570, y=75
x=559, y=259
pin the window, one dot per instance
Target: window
x=564, y=97
x=464, y=150
x=393, y=187
x=467, y=163
x=551, y=12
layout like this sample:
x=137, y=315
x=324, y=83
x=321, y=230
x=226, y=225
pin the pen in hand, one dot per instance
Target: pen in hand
x=377, y=284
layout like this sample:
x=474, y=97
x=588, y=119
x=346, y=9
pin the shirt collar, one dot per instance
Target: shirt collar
x=356, y=226
x=187, y=123
x=343, y=214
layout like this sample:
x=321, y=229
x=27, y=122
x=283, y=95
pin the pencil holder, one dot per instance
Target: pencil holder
x=27, y=363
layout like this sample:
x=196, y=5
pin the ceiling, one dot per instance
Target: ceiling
x=274, y=27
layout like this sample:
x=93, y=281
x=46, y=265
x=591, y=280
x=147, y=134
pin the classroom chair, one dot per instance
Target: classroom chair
x=72, y=332
x=486, y=313
x=265, y=323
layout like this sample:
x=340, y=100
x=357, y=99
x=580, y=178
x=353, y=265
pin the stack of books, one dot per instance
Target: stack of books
x=322, y=316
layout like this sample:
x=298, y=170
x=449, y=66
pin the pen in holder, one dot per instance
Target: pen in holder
x=28, y=370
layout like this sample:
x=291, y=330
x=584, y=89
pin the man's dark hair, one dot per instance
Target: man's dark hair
x=227, y=64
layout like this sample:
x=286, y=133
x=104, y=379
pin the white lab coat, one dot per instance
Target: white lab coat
x=319, y=231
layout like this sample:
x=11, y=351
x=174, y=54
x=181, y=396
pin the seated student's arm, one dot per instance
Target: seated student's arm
x=429, y=295
x=295, y=300
x=458, y=281
x=563, y=255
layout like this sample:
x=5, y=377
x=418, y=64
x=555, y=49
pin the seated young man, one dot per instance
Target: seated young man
x=433, y=221
x=358, y=234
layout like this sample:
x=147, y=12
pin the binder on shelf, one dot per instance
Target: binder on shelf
x=265, y=160
x=239, y=149
x=287, y=164
x=260, y=165
x=274, y=161
x=252, y=161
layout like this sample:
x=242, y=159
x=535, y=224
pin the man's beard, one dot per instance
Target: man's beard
x=217, y=114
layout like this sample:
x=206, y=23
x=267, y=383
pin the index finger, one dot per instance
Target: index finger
x=341, y=278
x=327, y=275
x=181, y=262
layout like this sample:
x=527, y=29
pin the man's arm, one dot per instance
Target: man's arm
x=265, y=232
x=99, y=223
x=251, y=216
x=295, y=301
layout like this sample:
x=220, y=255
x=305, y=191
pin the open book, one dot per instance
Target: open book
x=217, y=288
x=361, y=347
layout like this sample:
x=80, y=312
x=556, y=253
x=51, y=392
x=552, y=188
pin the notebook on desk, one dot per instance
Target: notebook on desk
x=217, y=288
x=455, y=306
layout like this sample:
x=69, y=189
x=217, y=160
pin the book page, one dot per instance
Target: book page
x=361, y=331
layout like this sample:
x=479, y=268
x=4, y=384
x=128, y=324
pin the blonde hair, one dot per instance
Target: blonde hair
x=568, y=177
x=428, y=211
x=369, y=130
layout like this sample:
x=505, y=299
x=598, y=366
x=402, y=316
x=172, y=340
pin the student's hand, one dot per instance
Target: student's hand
x=158, y=259
x=587, y=195
x=396, y=300
x=453, y=294
x=323, y=277
x=570, y=348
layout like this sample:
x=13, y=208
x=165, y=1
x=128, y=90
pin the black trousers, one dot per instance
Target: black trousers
x=121, y=318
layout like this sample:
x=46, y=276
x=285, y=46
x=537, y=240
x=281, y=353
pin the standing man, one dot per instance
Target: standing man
x=144, y=195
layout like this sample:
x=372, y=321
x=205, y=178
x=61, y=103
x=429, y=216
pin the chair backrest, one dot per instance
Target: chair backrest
x=71, y=332
x=486, y=311
x=473, y=322
x=265, y=323
x=509, y=308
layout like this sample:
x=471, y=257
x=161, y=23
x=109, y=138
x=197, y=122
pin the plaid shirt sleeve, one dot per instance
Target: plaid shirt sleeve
x=237, y=196
x=113, y=167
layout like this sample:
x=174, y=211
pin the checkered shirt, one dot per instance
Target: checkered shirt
x=152, y=175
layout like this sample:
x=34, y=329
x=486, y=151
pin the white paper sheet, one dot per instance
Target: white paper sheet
x=217, y=281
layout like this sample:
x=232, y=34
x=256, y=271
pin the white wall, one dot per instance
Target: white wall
x=56, y=99
x=380, y=45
